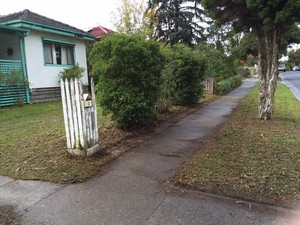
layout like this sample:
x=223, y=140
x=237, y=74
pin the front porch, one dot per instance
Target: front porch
x=13, y=80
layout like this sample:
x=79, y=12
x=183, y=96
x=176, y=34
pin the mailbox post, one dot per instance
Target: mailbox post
x=80, y=115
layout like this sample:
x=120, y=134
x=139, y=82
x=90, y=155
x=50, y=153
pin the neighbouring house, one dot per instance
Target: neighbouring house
x=100, y=31
x=37, y=48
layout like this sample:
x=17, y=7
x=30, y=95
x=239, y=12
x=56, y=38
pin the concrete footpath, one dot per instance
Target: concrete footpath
x=135, y=189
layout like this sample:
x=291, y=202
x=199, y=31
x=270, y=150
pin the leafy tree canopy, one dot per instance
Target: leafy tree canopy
x=245, y=14
x=131, y=18
x=178, y=21
x=294, y=57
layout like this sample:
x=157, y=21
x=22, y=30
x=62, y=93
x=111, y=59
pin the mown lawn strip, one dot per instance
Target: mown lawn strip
x=249, y=158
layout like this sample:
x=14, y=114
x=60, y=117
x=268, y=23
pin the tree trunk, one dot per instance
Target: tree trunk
x=268, y=63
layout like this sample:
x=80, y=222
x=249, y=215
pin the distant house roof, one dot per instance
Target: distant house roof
x=26, y=19
x=100, y=31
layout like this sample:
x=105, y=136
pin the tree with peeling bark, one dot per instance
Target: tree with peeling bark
x=268, y=20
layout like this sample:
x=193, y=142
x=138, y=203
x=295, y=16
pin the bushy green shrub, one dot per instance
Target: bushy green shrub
x=225, y=86
x=187, y=68
x=129, y=70
x=236, y=81
x=71, y=73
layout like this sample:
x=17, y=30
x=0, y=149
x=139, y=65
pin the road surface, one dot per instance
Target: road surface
x=292, y=79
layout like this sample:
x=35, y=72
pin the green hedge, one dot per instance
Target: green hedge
x=185, y=71
x=129, y=71
x=225, y=86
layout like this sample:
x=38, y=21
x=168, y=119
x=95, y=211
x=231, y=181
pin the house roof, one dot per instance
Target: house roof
x=26, y=19
x=100, y=31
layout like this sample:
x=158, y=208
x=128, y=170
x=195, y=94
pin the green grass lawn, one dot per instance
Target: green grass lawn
x=249, y=158
x=33, y=144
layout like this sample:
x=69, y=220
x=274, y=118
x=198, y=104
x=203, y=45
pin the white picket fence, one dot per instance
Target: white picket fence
x=80, y=118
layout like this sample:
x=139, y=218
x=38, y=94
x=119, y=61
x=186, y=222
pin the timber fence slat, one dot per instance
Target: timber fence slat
x=74, y=112
x=65, y=111
x=83, y=115
x=70, y=115
x=79, y=114
x=80, y=119
x=95, y=111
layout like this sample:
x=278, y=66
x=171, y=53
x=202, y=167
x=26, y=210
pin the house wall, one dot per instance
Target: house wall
x=45, y=76
x=9, y=41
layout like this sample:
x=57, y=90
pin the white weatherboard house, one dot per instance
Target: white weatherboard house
x=38, y=48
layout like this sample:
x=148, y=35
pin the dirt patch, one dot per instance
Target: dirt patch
x=8, y=216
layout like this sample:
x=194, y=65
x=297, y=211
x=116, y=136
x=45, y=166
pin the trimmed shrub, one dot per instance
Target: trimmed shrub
x=129, y=77
x=187, y=69
x=236, y=81
x=225, y=86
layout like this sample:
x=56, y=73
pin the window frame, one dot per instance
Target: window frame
x=63, y=46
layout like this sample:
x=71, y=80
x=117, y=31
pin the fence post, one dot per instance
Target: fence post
x=80, y=120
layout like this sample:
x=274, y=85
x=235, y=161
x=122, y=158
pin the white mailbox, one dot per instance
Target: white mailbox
x=87, y=100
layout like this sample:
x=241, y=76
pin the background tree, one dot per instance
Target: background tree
x=177, y=21
x=247, y=46
x=132, y=17
x=294, y=57
x=219, y=65
x=288, y=38
x=268, y=20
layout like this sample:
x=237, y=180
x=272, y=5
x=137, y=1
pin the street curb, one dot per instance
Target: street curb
x=293, y=89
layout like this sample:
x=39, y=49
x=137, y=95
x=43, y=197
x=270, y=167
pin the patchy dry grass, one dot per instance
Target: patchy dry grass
x=33, y=144
x=249, y=158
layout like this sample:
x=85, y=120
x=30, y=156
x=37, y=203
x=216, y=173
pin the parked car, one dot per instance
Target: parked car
x=296, y=68
x=281, y=67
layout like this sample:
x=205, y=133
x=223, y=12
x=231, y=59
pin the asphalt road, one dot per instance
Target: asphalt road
x=292, y=79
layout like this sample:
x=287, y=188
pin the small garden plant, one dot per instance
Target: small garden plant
x=71, y=73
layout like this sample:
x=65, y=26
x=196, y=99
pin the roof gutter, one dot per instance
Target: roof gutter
x=41, y=27
x=15, y=30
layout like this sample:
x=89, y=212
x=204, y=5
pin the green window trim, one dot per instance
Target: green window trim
x=58, y=53
x=58, y=65
x=58, y=41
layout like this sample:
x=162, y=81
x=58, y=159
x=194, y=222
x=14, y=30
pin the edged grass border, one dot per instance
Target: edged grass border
x=249, y=158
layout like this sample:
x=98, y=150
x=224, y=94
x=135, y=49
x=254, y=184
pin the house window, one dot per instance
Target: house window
x=58, y=53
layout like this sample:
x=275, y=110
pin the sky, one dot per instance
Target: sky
x=84, y=14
